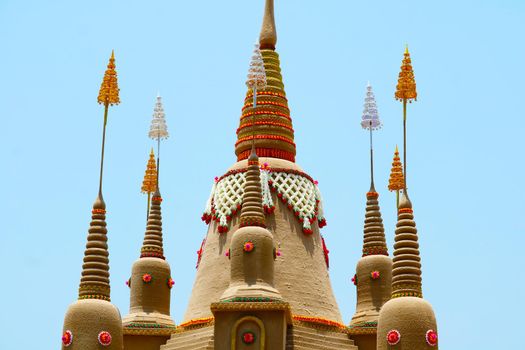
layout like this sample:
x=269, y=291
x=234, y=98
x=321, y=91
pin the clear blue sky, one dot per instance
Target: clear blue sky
x=465, y=137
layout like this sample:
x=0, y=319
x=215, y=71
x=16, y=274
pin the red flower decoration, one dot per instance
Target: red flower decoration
x=354, y=279
x=146, y=278
x=67, y=338
x=393, y=337
x=171, y=282
x=248, y=247
x=374, y=275
x=104, y=338
x=432, y=338
x=248, y=337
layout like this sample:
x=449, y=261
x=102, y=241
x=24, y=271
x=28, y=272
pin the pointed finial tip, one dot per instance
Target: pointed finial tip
x=151, y=151
x=268, y=36
x=404, y=202
x=253, y=155
x=99, y=202
x=113, y=54
x=397, y=151
x=406, y=48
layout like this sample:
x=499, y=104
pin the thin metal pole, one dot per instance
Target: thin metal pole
x=106, y=107
x=147, y=211
x=405, y=143
x=371, y=157
x=158, y=161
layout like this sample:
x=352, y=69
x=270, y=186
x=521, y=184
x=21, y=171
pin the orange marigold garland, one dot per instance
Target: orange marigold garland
x=319, y=320
x=196, y=321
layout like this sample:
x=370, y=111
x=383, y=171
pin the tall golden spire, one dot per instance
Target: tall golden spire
x=270, y=124
x=94, y=283
x=107, y=95
x=268, y=36
x=406, y=92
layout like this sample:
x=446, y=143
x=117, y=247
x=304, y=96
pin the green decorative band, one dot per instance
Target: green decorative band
x=148, y=325
x=363, y=328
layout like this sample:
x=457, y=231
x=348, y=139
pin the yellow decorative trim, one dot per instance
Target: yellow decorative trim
x=245, y=319
x=204, y=321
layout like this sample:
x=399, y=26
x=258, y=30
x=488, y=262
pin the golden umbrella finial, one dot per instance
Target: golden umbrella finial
x=406, y=91
x=406, y=83
x=109, y=91
x=149, y=184
x=107, y=95
x=397, y=180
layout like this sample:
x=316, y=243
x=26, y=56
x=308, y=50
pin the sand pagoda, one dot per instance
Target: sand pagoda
x=262, y=279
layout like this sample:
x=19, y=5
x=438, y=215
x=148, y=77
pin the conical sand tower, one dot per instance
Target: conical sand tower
x=149, y=324
x=92, y=321
x=374, y=270
x=293, y=213
x=301, y=274
x=373, y=276
x=406, y=321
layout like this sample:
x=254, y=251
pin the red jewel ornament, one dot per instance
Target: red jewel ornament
x=431, y=337
x=146, y=278
x=374, y=275
x=248, y=338
x=171, y=283
x=67, y=338
x=248, y=247
x=104, y=338
x=393, y=337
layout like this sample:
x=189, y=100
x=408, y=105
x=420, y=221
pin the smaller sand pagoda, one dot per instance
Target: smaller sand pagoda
x=374, y=270
x=407, y=321
x=149, y=324
x=92, y=321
